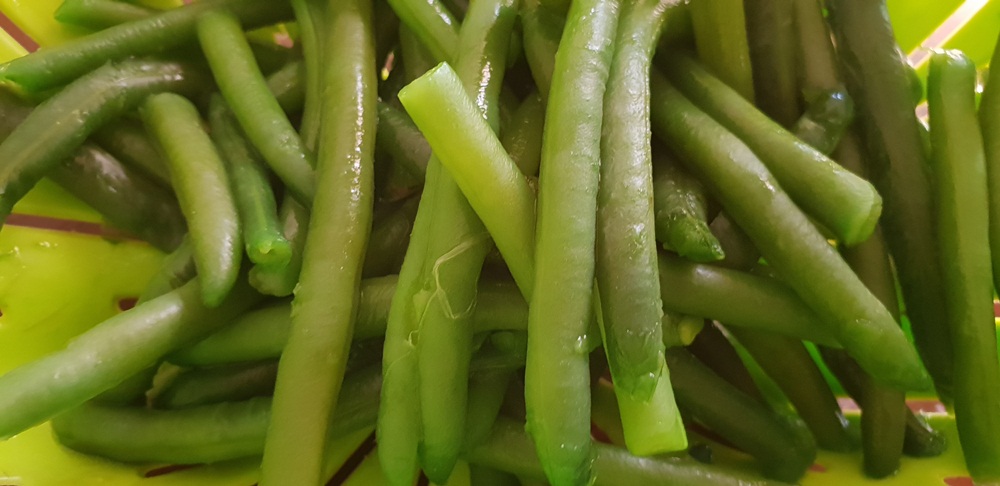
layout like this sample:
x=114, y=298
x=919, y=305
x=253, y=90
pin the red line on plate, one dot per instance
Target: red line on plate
x=19, y=35
x=65, y=226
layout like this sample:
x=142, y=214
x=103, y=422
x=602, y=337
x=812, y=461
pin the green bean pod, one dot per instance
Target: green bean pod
x=59, y=125
x=56, y=65
x=543, y=28
x=390, y=236
x=770, y=27
x=720, y=35
x=230, y=383
x=128, y=141
x=432, y=24
x=523, y=138
x=738, y=299
x=202, y=189
x=100, y=14
x=203, y=434
x=880, y=84
x=109, y=353
x=312, y=365
x=962, y=214
x=827, y=117
x=261, y=117
x=265, y=244
x=788, y=241
x=280, y=281
x=309, y=17
x=989, y=120
x=713, y=348
x=680, y=203
x=407, y=149
x=842, y=202
x=176, y=269
x=509, y=449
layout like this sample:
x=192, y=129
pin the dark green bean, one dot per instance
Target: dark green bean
x=265, y=244
x=989, y=120
x=229, y=383
x=962, y=214
x=486, y=393
x=59, y=125
x=309, y=16
x=788, y=241
x=245, y=90
x=681, y=211
x=543, y=28
x=205, y=434
x=202, y=189
x=750, y=301
x=770, y=27
x=280, y=281
x=720, y=34
x=841, y=201
x=487, y=476
x=713, y=348
x=390, y=236
x=880, y=85
x=510, y=449
x=922, y=440
x=312, y=364
x=109, y=353
x=829, y=114
x=132, y=391
x=53, y=66
x=523, y=137
x=784, y=454
x=128, y=141
x=100, y=14
x=432, y=25
x=788, y=363
x=417, y=58
x=402, y=142
x=177, y=269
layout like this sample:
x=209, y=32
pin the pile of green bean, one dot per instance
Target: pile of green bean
x=481, y=227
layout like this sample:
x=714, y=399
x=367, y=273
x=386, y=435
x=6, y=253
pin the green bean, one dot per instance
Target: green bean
x=770, y=27
x=989, y=120
x=280, y=281
x=787, y=362
x=750, y=301
x=128, y=141
x=402, y=142
x=510, y=449
x=523, y=138
x=681, y=211
x=922, y=440
x=962, y=215
x=230, y=383
x=846, y=204
x=262, y=119
x=312, y=365
x=308, y=15
x=453, y=139
x=53, y=66
x=59, y=125
x=487, y=476
x=254, y=197
x=109, y=353
x=131, y=391
x=417, y=58
x=386, y=31
x=720, y=34
x=100, y=14
x=543, y=28
x=713, y=348
x=677, y=30
x=432, y=25
x=204, y=434
x=486, y=394
x=823, y=124
x=788, y=241
x=783, y=453
x=177, y=269
x=740, y=251
x=389, y=238
x=559, y=316
x=455, y=253
x=880, y=84
x=202, y=189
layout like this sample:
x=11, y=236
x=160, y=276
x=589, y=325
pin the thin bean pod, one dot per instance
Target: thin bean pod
x=510, y=449
x=202, y=189
x=557, y=385
x=280, y=281
x=231, y=383
x=100, y=14
x=59, y=125
x=826, y=119
x=265, y=244
x=109, y=353
x=453, y=139
x=543, y=28
x=989, y=120
x=770, y=28
x=56, y=65
x=713, y=348
x=523, y=137
x=245, y=90
x=880, y=84
x=751, y=301
x=312, y=365
x=680, y=203
x=432, y=24
x=176, y=269
x=309, y=15
x=720, y=35
x=407, y=148
x=204, y=434
x=128, y=141
x=844, y=203
x=962, y=213
x=788, y=241
x=390, y=236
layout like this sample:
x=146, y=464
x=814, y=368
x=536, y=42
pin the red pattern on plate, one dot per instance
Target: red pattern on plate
x=19, y=35
x=959, y=481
